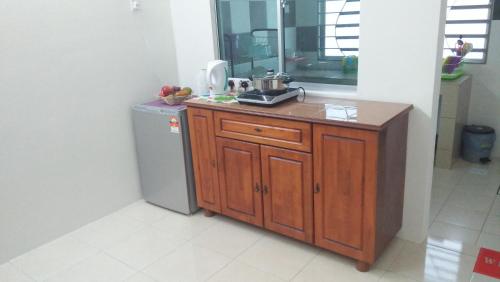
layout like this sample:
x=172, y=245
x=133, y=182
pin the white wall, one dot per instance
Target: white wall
x=485, y=100
x=406, y=70
x=193, y=36
x=69, y=71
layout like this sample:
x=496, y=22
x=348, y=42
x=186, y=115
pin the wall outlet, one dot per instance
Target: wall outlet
x=237, y=82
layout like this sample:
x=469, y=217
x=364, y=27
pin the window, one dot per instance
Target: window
x=470, y=19
x=309, y=39
x=340, y=28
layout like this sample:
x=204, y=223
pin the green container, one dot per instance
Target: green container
x=457, y=72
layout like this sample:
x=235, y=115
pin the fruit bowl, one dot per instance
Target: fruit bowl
x=174, y=95
x=174, y=99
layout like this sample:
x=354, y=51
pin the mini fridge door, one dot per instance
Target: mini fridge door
x=164, y=157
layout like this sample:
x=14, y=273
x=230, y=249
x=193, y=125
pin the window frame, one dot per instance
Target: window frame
x=322, y=39
x=486, y=36
x=347, y=90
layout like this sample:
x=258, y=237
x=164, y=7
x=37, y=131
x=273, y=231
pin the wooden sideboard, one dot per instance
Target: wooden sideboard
x=294, y=170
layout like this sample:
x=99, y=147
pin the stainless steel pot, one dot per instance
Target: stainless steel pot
x=271, y=81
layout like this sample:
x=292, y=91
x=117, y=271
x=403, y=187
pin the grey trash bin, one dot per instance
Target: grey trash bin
x=477, y=143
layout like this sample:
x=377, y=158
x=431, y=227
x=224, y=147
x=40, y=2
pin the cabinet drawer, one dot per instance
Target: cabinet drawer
x=263, y=130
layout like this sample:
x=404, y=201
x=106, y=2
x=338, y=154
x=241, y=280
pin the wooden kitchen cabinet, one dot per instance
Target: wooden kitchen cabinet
x=293, y=170
x=201, y=123
x=344, y=175
x=239, y=179
x=287, y=182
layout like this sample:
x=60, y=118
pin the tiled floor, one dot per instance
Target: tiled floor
x=465, y=209
x=146, y=243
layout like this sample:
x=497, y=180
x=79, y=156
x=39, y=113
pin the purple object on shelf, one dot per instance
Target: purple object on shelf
x=160, y=104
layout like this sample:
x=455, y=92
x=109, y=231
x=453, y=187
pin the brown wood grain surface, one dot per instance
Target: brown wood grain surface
x=287, y=182
x=344, y=170
x=204, y=155
x=262, y=130
x=240, y=180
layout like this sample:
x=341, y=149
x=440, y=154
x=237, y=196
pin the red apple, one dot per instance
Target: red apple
x=167, y=89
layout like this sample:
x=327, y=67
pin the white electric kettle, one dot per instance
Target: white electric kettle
x=217, y=76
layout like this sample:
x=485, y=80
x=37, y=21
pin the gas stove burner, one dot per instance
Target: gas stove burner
x=269, y=98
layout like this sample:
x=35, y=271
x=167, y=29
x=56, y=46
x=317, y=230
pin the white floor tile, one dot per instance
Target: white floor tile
x=495, y=210
x=188, y=263
x=489, y=241
x=462, y=217
x=428, y=263
x=489, y=190
x=331, y=267
x=390, y=254
x=140, y=277
x=230, y=238
x=278, y=255
x=108, y=230
x=447, y=176
x=144, y=212
x=393, y=277
x=98, y=268
x=470, y=200
x=184, y=226
x=474, y=179
x=435, y=208
x=440, y=192
x=55, y=256
x=240, y=272
x=492, y=225
x=482, y=278
x=144, y=247
x=453, y=237
x=8, y=273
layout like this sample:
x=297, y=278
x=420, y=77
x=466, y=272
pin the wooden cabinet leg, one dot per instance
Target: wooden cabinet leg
x=362, y=266
x=208, y=213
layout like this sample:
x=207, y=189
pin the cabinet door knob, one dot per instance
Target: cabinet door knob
x=316, y=189
x=258, y=129
x=212, y=162
x=266, y=190
x=257, y=188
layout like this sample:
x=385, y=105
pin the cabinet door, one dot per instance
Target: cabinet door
x=239, y=177
x=288, y=194
x=345, y=185
x=201, y=131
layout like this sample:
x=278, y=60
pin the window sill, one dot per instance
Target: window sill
x=327, y=90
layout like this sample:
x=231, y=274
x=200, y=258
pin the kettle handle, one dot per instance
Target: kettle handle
x=211, y=68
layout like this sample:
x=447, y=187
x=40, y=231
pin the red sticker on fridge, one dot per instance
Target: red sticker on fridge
x=174, y=124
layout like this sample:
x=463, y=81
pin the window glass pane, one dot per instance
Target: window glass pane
x=464, y=29
x=348, y=19
x=478, y=43
x=342, y=31
x=468, y=14
x=468, y=2
x=334, y=6
x=248, y=35
x=315, y=46
x=475, y=56
x=352, y=7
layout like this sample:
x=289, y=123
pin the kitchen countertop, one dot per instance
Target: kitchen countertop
x=371, y=115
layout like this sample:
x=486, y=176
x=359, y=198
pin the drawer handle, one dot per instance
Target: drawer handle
x=258, y=129
x=257, y=188
x=316, y=189
x=265, y=189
